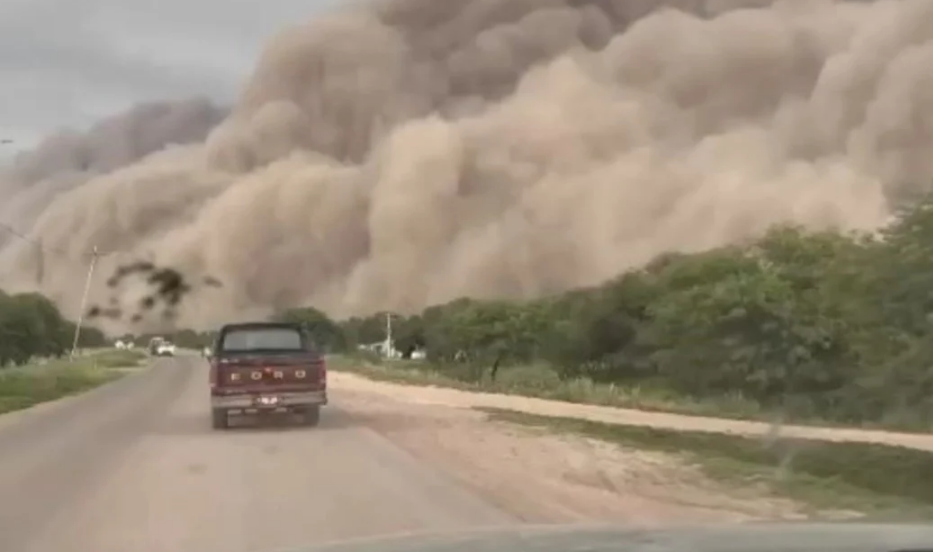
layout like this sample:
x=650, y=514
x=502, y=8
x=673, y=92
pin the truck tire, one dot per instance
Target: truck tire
x=219, y=418
x=311, y=416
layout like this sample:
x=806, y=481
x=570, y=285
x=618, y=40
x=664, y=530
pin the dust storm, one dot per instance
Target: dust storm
x=396, y=154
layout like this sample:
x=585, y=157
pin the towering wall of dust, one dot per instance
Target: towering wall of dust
x=68, y=159
x=409, y=152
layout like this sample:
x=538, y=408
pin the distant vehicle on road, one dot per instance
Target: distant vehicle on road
x=154, y=345
x=166, y=348
x=124, y=344
x=261, y=368
x=159, y=346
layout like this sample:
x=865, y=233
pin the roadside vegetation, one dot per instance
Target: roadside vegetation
x=35, y=342
x=25, y=386
x=32, y=328
x=884, y=483
x=816, y=327
x=116, y=358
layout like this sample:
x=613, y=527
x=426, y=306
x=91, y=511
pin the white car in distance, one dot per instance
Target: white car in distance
x=165, y=348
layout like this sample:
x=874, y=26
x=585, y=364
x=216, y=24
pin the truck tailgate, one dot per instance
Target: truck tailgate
x=263, y=374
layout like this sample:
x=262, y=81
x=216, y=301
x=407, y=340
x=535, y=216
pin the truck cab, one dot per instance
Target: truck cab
x=154, y=345
x=260, y=368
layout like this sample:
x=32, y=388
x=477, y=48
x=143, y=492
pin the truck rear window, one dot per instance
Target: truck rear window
x=262, y=339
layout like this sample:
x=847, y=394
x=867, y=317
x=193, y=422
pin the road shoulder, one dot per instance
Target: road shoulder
x=752, y=474
x=544, y=477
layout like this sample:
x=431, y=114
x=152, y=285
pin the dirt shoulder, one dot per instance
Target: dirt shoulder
x=543, y=477
x=607, y=464
x=612, y=415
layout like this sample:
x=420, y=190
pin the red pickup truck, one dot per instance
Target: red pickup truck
x=265, y=367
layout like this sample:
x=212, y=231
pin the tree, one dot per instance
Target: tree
x=32, y=326
x=55, y=337
x=325, y=333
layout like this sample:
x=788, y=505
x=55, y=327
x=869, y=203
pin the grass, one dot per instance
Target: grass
x=883, y=482
x=29, y=385
x=542, y=381
x=116, y=358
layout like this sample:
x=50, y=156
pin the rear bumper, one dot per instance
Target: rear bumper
x=287, y=400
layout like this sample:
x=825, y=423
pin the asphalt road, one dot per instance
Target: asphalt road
x=134, y=467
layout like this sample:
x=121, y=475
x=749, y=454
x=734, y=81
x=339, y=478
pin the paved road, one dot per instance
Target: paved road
x=134, y=467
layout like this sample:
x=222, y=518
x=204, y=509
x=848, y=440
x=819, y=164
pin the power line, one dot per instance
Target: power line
x=38, y=242
x=41, y=249
x=40, y=262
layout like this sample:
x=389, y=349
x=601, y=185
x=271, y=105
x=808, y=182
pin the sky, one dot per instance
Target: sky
x=68, y=63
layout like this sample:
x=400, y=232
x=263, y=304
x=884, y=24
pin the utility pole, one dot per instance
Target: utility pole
x=388, y=345
x=40, y=263
x=87, y=290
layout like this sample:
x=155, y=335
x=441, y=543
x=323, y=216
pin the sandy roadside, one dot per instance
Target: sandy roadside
x=464, y=399
x=542, y=477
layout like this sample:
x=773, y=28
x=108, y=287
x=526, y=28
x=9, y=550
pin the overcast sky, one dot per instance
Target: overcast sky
x=67, y=63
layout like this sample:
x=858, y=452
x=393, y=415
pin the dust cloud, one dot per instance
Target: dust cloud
x=396, y=154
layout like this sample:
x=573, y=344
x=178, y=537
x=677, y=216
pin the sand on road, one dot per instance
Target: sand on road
x=135, y=467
